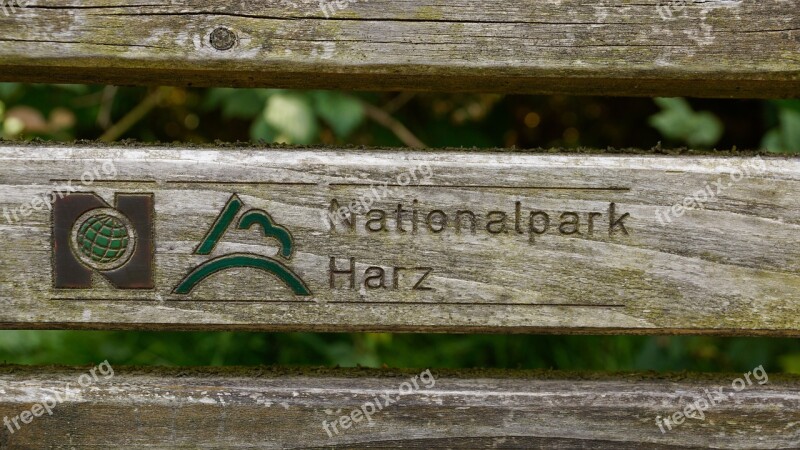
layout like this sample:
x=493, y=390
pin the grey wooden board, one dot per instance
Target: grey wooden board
x=265, y=408
x=731, y=267
x=718, y=48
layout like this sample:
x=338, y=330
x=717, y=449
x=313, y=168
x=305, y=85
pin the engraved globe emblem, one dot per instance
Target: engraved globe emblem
x=103, y=239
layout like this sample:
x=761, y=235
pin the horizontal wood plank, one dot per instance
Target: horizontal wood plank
x=266, y=408
x=264, y=239
x=606, y=47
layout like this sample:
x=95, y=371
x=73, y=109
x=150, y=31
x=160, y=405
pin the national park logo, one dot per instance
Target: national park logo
x=270, y=230
x=90, y=236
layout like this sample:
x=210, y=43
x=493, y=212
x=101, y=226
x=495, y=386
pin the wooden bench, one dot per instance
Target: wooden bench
x=450, y=240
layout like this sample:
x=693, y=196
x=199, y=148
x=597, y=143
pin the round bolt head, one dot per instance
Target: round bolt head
x=222, y=38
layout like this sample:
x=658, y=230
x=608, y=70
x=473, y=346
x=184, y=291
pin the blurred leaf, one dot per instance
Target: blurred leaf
x=790, y=129
x=237, y=103
x=261, y=131
x=344, y=113
x=32, y=120
x=772, y=141
x=214, y=97
x=785, y=138
x=292, y=116
x=793, y=104
x=74, y=88
x=790, y=363
x=7, y=89
x=678, y=121
x=242, y=105
x=60, y=119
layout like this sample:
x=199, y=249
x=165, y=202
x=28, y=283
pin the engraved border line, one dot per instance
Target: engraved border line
x=363, y=184
x=579, y=305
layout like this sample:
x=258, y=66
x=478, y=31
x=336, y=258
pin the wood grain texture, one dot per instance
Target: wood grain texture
x=716, y=48
x=630, y=265
x=265, y=408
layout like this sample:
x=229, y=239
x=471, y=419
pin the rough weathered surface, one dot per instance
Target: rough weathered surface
x=633, y=263
x=711, y=48
x=265, y=408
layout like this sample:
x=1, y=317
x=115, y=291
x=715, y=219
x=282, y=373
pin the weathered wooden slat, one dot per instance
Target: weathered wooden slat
x=508, y=242
x=267, y=408
x=607, y=47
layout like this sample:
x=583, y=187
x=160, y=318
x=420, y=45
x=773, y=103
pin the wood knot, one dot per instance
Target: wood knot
x=222, y=39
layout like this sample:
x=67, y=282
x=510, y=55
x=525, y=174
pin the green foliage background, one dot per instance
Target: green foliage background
x=67, y=112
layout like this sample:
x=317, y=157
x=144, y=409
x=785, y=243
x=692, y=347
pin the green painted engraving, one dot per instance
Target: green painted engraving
x=235, y=260
x=269, y=228
x=103, y=238
x=222, y=223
